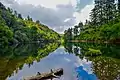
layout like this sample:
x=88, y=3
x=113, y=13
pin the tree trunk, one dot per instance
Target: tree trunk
x=44, y=76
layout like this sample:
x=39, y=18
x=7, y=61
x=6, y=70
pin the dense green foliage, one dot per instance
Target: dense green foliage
x=104, y=24
x=107, y=32
x=6, y=34
x=15, y=29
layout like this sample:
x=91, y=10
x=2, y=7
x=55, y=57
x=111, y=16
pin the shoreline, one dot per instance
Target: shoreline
x=97, y=41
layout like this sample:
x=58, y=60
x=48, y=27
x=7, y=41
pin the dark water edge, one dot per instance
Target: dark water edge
x=96, y=41
x=25, y=60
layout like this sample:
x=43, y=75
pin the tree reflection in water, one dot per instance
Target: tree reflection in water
x=105, y=66
x=12, y=58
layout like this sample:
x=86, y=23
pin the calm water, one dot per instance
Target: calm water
x=21, y=61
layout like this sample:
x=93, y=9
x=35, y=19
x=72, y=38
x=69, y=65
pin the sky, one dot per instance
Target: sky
x=55, y=60
x=59, y=15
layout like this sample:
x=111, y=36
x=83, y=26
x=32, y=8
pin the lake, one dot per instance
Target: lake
x=80, y=61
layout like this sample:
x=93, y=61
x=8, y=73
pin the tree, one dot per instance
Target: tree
x=110, y=10
x=80, y=25
x=10, y=10
x=103, y=12
x=2, y=6
x=76, y=30
x=20, y=16
x=119, y=6
x=93, y=16
x=28, y=17
x=6, y=34
x=38, y=22
x=68, y=34
x=31, y=19
x=15, y=13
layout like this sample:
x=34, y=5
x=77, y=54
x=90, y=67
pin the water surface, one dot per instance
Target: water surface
x=18, y=62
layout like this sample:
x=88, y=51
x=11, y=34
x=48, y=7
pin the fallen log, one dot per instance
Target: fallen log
x=44, y=76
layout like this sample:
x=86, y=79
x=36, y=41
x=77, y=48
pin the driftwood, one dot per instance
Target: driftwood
x=44, y=76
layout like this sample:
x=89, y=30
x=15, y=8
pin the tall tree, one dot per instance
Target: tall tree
x=10, y=10
x=110, y=10
x=119, y=5
x=103, y=12
x=80, y=25
x=2, y=6
x=20, y=16
x=28, y=18
x=15, y=13
x=68, y=34
x=76, y=30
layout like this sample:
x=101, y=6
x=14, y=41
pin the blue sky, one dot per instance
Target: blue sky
x=57, y=14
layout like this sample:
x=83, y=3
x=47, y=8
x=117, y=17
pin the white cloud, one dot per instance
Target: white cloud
x=47, y=3
x=66, y=20
x=83, y=14
x=67, y=59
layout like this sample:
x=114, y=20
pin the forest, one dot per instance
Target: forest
x=103, y=26
x=16, y=29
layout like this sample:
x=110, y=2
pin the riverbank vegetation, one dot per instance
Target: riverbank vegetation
x=103, y=26
x=16, y=29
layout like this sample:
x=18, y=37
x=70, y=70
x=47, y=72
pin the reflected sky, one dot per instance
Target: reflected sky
x=84, y=75
x=57, y=59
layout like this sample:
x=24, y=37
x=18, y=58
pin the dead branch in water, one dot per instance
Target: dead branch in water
x=44, y=76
